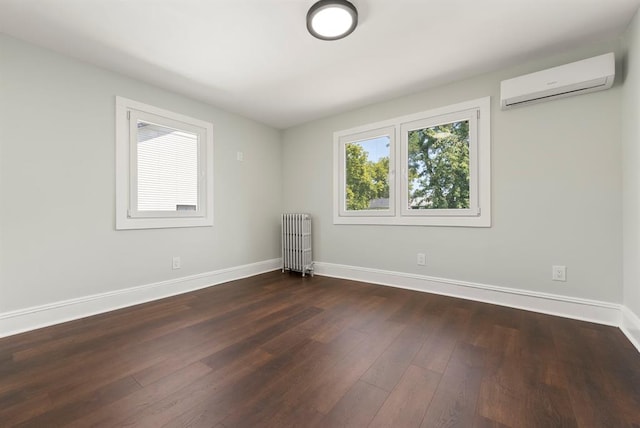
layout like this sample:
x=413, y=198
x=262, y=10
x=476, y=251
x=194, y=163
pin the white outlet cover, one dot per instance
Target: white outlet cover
x=176, y=263
x=559, y=273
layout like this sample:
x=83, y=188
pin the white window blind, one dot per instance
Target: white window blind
x=167, y=169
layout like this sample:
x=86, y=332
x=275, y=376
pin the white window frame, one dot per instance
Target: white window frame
x=128, y=112
x=478, y=112
x=354, y=138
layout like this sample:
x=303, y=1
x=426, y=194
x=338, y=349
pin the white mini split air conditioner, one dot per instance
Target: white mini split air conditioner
x=581, y=77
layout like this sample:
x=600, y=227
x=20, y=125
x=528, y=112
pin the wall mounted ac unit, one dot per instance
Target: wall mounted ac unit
x=581, y=77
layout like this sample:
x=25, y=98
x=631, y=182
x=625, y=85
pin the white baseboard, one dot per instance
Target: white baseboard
x=630, y=326
x=54, y=313
x=569, y=307
x=564, y=306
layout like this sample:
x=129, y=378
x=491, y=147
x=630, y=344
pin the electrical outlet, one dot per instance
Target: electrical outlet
x=421, y=259
x=240, y=156
x=559, y=273
x=177, y=263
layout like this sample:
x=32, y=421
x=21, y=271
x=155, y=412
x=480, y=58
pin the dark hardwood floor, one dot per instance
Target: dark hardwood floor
x=279, y=350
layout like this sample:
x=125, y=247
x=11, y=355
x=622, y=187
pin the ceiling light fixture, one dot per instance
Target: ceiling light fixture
x=332, y=19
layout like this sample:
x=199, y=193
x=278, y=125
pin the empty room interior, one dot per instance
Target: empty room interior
x=223, y=214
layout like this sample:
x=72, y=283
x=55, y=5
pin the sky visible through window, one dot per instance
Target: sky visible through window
x=376, y=148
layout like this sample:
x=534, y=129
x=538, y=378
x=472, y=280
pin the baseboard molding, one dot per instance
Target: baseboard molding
x=630, y=326
x=54, y=313
x=564, y=306
x=22, y=320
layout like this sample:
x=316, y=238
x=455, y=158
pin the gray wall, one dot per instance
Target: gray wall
x=631, y=168
x=556, y=183
x=57, y=234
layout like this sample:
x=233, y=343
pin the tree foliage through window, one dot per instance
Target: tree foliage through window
x=367, y=180
x=438, y=167
x=438, y=170
x=430, y=168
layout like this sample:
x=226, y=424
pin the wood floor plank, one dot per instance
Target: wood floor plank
x=408, y=402
x=309, y=386
x=29, y=407
x=235, y=390
x=329, y=388
x=142, y=340
x=358, y=406
x=454, y=402
x=570, y=339
x=394, y=361
x=128, y=405
x=260, y=337
x=278, y=350
x=283, y=396
x=524, y=398
x=286, y=416
x=482, y=422
x=438, y=347
x=589, y=399
x=216, y=389
x=66, y=413
x=216, y=342
x=299, y=378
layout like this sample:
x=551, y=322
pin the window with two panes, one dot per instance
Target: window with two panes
x=438, y=174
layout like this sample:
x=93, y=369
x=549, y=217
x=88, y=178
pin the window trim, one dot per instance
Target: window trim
x=479, y=213
x=127, y=215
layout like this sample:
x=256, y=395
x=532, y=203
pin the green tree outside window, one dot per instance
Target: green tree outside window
x=438, y=167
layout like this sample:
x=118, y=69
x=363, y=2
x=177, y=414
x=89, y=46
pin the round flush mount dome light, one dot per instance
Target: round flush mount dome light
x=332, y=19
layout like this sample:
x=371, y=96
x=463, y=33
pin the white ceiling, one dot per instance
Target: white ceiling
x=255, y=57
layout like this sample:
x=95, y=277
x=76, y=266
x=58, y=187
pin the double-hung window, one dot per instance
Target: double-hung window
x=429, y=168
x=164, y=168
